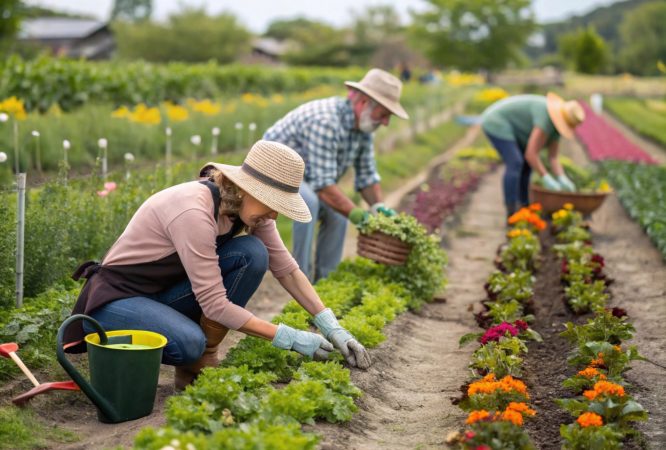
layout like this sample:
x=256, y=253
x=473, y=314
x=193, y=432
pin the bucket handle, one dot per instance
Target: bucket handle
x=99, y=401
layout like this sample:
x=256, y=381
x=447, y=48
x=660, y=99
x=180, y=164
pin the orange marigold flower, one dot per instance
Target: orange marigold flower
x=589, y=372
x=568, y=206
x=521, y=407
x=590, y=419
x=535, y=207
x=617, y=348
x=476, y=416
x=512, y=416
x=604, y=388
x=599, y=361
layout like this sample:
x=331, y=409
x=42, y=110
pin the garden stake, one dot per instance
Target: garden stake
x=250, y=136
x=20, y=227
x=239, y=135
x=213, y=149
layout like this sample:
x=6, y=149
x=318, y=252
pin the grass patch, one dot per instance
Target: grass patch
x=20, y=429
x=647, y=117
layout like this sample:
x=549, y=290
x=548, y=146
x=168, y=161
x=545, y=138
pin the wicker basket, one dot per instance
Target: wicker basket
x=382, y=248
x=552, y=201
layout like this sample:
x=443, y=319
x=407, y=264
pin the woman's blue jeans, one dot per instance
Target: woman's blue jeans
x=175, y=313
x=517, y=174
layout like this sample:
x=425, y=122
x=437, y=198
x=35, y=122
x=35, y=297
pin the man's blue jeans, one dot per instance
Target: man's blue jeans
x=330, y=239
x=517, y=173
x=175, y=313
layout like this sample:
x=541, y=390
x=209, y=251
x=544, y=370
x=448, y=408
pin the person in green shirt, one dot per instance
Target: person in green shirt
x=519, y=127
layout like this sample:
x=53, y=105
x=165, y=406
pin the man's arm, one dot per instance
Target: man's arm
x=333, y=196
x=372, y=194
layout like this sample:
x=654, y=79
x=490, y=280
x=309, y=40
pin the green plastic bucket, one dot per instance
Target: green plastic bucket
x=124, y=370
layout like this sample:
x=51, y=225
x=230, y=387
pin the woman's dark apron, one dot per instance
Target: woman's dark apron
x=105, y=284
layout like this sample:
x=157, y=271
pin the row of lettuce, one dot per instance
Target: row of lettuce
x=240, y=406
x=605, y=411
x=497, y=400
x=642, y=191
x=195, y=126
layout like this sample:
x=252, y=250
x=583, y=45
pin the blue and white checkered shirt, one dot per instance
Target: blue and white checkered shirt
x=322, y=132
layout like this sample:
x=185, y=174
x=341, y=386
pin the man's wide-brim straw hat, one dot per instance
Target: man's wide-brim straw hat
x=383, y=88
x=566, y=116
x=271, y=173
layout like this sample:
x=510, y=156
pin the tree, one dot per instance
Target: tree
x=9, y=20
x=643, y=34
x=190, y=36
x=472, y=35
x=132, y=10
x=584, y=51
x=314, y=42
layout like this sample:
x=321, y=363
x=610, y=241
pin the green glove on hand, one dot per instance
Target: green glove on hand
x=566, y=183
x=303, y=342
x=381, y=208
x=355, y=354
x=551, y=183
x=358, y=216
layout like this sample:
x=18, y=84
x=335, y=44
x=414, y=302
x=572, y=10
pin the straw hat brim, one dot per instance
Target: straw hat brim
x=288, y=204
x=554, y=104
x=395, y=107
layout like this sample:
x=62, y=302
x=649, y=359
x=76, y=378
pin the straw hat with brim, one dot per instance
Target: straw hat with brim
x=271, y=173
x=565, y=115
x=383, y=88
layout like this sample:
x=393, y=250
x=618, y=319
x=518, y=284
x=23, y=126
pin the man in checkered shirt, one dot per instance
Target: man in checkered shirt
x=331, y=135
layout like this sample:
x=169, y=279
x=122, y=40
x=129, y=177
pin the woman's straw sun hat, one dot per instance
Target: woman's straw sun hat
x=272, y=173
x=565, y=115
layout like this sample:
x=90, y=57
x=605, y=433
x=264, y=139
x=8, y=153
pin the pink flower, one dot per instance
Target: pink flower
x=497, y=332
x=110, y=186
x=103, y=193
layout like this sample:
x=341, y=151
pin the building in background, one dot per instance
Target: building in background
x=71, y=37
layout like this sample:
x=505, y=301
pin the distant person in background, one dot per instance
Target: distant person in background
x=519, y=127
x=405, y=73
x=332, y=134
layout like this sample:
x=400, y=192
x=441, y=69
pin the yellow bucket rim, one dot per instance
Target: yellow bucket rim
x=93, y=338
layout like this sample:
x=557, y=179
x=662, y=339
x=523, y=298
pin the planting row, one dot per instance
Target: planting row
x=45, y=81
x=239, y=406
x=647, y=117
x=497, y=401
x=194, y=127
x=603, y=141
x=642, y=191
x=603, y=408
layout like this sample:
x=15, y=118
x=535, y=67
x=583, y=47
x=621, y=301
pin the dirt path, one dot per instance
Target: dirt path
x=419, y=368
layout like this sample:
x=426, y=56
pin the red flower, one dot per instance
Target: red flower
x=482, y=447
x=521, y=325
x=497, y=332
x=619, y=312
x=470, y=435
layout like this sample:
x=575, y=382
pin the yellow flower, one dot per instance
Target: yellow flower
x=121, y=113
x=145, y=115
x=568, y=206
x=206, y=107
x=176, y=113
x=14, y=107
x=604, y=187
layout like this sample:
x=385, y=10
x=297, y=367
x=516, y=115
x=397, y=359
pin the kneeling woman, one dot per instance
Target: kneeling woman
x=181, y=269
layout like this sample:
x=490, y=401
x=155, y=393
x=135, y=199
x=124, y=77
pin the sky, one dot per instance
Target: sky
x=257, y=14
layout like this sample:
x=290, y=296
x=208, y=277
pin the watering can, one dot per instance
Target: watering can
x=124, y=369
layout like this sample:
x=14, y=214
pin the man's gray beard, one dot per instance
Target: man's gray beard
x=365, y=122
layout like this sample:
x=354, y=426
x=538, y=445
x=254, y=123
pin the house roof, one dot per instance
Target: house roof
x=58, y=28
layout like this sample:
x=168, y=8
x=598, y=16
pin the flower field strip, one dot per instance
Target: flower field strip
x=603, y=408
x=647, y=117
x=221, y=124
x=603, y=141
x=642, y=191
x=236, y=406
x=497, y=403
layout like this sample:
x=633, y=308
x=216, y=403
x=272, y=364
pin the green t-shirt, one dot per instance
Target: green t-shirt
x=513, y=119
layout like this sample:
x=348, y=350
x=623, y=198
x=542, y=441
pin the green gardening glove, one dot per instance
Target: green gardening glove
x=381, y=208
x=358, y=216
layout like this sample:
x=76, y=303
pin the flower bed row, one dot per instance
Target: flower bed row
x=603, y=408
x=239, y=405
x=603, y=141
x=438, y=198
x=497, y=403
x=642, y=191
